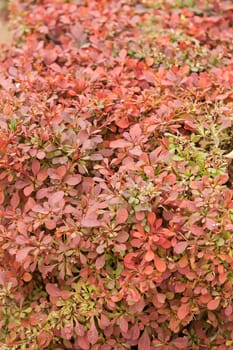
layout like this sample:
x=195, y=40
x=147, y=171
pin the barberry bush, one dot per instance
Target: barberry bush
x=115, y=203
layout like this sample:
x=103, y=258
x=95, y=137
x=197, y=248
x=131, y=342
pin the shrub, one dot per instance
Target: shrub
x=116, y=215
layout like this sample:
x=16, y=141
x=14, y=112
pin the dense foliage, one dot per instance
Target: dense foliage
x=115, y=205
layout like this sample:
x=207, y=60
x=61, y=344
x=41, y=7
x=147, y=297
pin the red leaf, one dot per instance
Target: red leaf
x=2, y=197
x=122, y=237
x=159, y=264
x=65, y=294
x=144, y=341
x=122, y=216
x=122, y=123
x=180, y=247
x=121, y=143
x=197, y=230
x=92, y=334
x=128, y=260
x=180, y=343
x=183, y=311
x=53, y=290
x=213, y=304
x=44, y=338
x=151, y=218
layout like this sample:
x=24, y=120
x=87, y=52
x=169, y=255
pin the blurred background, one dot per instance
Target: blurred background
x=5, y=35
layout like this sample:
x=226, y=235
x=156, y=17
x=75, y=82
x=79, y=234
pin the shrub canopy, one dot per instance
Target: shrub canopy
x=115, y=206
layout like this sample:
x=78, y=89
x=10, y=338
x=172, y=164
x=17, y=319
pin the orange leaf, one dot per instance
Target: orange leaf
x=2, y=197
x=183, y=311
x=149, y=255
x=213, y=304
x=159, y=264
x=44, y=339
x=27, y=277
x=148, y=270
x=122, y=123
x=151, y=218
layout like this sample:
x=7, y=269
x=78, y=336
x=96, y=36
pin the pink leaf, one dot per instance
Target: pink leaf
x=100, y=262
x=39, y=209
x=15, y=200
x=134, y=332
x=122, y=237
x=122, y=216
x=144, y=341
x=210, y=224
x=77, y=31
x=83, y=342
x=123, y=324
x=135, y=131
x=180, y=247
x=41, y=155
x=79, y=329
x=35, y=167
x=88, y=222
x=29, y=204
x=103, y=322
x=183, y=311
x=21, y=240
x=56, y=200
x=50, y=56
x=28, y=190
x=73, y=180
x=92, y=334
x=121, y=143
x=148, y=76
x=23, y=253
x=149, y=171
x=67, y=332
